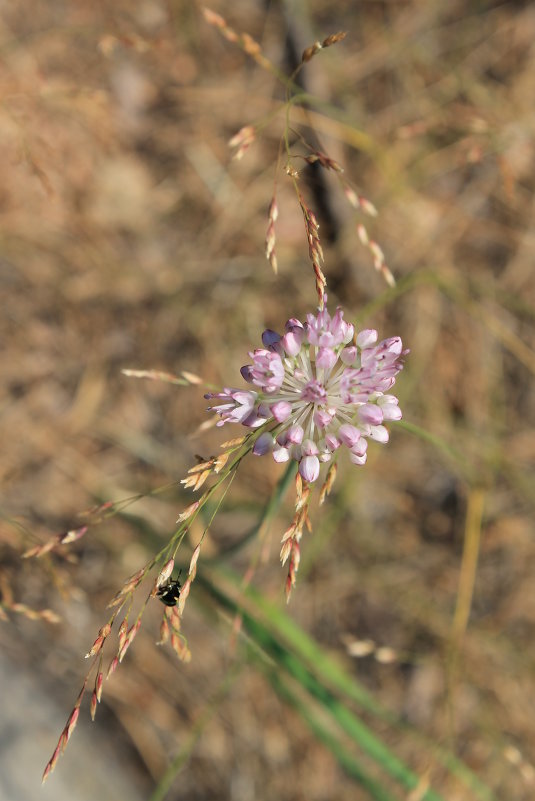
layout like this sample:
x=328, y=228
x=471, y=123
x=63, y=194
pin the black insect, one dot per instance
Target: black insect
x=170, y=593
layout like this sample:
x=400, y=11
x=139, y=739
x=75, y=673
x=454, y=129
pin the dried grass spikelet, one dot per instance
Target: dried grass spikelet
x=315, y=251
x=170, y=632
x=221, y=460
x=328, y=483
x=311, y=51
x=54, y=542
x=198, y=474
x=184, y=378
x=325, y=161
x=32, y=614
x=164, y=630
x=165, y=572
x=273, y=214
x=233, y=443
x=192, y=572
x=377, y=255
x=128, y=587
x=242, y=140
x=290, y=550
x=246, y=42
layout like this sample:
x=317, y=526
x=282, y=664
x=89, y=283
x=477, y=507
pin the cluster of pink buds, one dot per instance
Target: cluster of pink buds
x=317, y=387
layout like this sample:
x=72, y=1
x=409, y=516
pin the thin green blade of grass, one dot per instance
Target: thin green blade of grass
x=345, y=759
x=336, y=709
x=333, y=677
x=338, y=679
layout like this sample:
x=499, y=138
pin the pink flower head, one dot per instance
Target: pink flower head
x=319, y=387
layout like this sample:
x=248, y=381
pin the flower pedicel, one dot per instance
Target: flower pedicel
x=321, y=386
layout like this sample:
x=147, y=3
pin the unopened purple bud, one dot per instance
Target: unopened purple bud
x=292, y=341
x=367, y=338
x=349, y=331
x=349, y=354
x=309, y=468
x=394, y=345
x=270, y=337
x=264, y=444
x=267, y=370
x=332, y=442
x=370, y=413
x=322, y=418
x=264, y=410
x=254, y=419
x=349, y=435
x=246, y=372
x=341, y=331
x=292, y=323
x=360, y=448
x=389, y=407
x=309, y=448
x=281, y=410
x=379, y=434
x=292, y=436
x=281, y=455
x=326, y=358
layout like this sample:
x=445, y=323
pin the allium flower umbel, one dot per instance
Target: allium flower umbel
x=316, y=388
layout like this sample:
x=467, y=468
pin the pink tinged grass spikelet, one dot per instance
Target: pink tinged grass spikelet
x=98, y=685
x=32, y=614
x=325, y=161
x=54, y=542
x=93, y=705
x=165, y=572
x=121, y=634
x=99, y=642
x=242, y=140
x=164, y=631
x=189, y=511
x=112, y=667
x=128, y=587
x=180, y=647
x=65, y=734
x=128, y=639
x=185, y=590
x=193, y=561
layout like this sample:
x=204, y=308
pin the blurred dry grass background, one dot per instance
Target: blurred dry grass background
x=129, y=240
